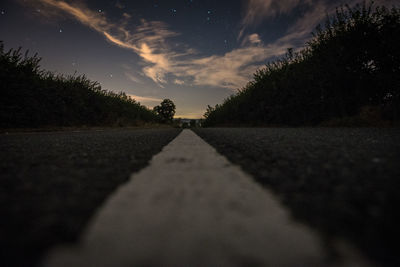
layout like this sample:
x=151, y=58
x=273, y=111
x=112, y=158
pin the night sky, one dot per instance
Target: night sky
x=195, y=52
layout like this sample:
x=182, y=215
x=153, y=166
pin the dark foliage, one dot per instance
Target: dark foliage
x=32, y=97
x=350, y=69
x=166, y=110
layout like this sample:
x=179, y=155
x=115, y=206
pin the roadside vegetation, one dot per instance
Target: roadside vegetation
x=348, y=74
x=166, y=110
x=32, y=97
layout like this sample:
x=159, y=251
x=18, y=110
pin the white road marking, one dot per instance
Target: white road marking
x=191, y=207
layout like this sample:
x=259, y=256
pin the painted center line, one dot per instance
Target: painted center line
x=191, y=207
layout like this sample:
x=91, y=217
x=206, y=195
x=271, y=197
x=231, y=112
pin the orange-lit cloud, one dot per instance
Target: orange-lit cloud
x=161, y=61
x=145, y=98
x=179, y=82
x=118, y=42
x=190, y=115
x=149, y=41
x=95, y=20
x=231, y=70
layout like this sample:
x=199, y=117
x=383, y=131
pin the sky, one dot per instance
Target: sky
x=194, y=52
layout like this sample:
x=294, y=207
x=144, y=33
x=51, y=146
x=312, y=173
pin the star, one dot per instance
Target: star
x=100, y=10
x=3, y=12
x=111, y=75
x=61, y=30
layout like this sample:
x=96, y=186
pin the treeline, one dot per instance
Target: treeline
x=347, y=74
x=31, y=97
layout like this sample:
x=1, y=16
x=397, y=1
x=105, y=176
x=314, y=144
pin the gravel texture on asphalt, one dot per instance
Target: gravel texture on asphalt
x=191, y=207
x=343, y=182
x=51, y=183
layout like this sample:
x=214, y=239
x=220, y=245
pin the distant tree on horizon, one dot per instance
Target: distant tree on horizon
x=193, y=123
x=166, y=110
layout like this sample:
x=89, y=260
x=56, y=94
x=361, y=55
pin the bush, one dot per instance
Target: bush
x=32, y=97
x=353, y=61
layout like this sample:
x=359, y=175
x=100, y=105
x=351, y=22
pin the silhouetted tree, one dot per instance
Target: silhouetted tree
x=351, y=64
x=31, y=97
x=166, y=110
x=208, y=111
x=193, y=123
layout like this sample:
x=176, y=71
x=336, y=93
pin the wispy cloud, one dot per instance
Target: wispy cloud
x=94, y=20
x=179, y=82
x=256, y=11
x=147, y=40
x=146, y=99
x=150, y=41
x=164, y=63
x=133, y=77
x=251, y=39
x=231, y=70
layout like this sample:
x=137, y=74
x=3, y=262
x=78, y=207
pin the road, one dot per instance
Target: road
x=51, y=183
x=332, y=190
x=191, y=207
x=342, y=182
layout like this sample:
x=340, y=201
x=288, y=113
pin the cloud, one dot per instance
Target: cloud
x=302, y=28
x=118, y=42
x=231, y=70
x=145, y=98
x=179, y=82
x=164, y=62
x=254, y=38
x=257, y=11
x=132, y=77
x=94, y=20
x=251, y=39
x=150, y=41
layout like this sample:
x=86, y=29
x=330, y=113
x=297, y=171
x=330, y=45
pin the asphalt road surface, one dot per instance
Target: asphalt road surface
x=51, y=183
x=338, y=184
x=342, y=182
x=191, y=207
